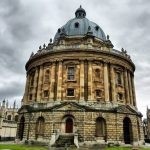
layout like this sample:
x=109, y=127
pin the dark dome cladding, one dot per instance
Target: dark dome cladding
x=80, y=26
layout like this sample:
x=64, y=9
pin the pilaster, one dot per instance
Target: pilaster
x=59, y=83
x=52, y=84
x=40, y=82
x=113, y=84
x=25, y=98
x=106, y=82
x=133, y=91
x=35, y=84
x=130, y=88
x=126, y=86
x=90, y=81
x=82, y=80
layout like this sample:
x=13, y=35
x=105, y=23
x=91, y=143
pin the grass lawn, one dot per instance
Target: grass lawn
x=25, y=147
x=119, y=148
x=20, y=147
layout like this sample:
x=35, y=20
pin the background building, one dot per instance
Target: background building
x=79, y=88
x=146, y=126
x=8, y=121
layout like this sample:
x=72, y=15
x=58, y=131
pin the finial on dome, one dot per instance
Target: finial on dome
x=80, y=12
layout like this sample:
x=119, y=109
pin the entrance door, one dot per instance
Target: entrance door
x=69, y=125
x=21, y=128
x=127, y=130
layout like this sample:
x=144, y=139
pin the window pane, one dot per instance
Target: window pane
x=71, y=72
x=98, y=93
x=70, y=92
x=120, y=96
x=30, y=97
x=46, y=93
x=118, y=78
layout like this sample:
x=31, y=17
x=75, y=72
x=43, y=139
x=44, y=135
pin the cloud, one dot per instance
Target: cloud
x=24, y=25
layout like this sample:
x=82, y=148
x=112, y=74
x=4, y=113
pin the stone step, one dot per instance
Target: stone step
x=65, y=141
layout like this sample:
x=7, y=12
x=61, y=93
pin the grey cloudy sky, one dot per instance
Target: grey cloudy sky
x=26, y=24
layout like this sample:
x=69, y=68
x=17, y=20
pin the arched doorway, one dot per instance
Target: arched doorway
x=127, y=130
x=69, y=125
x=101, y=128
x=40, y=127
x=21, y=128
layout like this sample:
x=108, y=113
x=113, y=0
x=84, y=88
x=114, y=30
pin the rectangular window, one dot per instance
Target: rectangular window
x=70, y=92
x=32, y=80
x=98, y=93
x=46, y=93
x=71, y=72
x=30, y=97
x=120, y=96
x=47, y=76
x=118, y=78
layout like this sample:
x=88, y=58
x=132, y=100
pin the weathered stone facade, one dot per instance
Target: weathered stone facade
x=8, y=121
x=80, y=85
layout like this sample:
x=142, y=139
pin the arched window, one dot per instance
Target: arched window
x=97, y=74
x=96, y=28
x=100, y=127
x=47, y=76
x=76, y=25
x=59, y=30
x=16, y=118
x=40, y=126
x=9, y=117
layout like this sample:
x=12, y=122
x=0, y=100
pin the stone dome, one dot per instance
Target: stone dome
x=80, y=26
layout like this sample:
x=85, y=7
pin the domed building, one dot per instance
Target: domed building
x=81, y=90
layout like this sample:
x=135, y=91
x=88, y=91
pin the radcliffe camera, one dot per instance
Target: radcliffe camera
x=79, y=90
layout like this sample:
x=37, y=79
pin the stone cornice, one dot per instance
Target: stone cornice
x=105, y=56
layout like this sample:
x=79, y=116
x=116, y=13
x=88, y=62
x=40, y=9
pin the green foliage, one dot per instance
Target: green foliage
x=20, y=147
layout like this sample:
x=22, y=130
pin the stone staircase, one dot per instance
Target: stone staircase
x=65, y=141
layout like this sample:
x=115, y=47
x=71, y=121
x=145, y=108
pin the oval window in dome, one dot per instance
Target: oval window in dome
x=59, y=30
x=76, y=25
x=96, y=28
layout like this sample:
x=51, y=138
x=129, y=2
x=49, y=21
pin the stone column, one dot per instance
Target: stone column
x=113, y=83
x=40, y=82
x=130, y=88
x=26, y=93
x=35, y=84
x=126, y=86
x=81, y=80
x=51, y=97
x=106, y=82
x=59, y=83
x=90, y=82
x=133, y=91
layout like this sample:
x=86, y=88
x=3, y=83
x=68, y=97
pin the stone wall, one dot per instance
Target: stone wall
x=84, y=123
